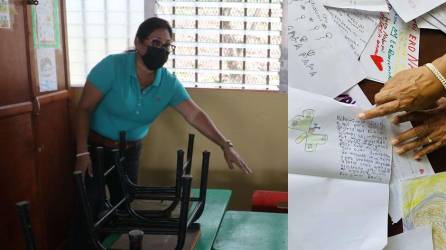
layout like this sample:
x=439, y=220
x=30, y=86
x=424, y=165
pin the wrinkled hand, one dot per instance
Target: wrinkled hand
x=83, y=164
x=409, y=90
x=431, y=133
x=232, y=157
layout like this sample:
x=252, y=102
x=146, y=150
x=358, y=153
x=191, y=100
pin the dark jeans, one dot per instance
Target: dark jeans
x=80, y=234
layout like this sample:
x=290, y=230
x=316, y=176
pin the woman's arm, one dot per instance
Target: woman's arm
x=195, y=116
x=89, y=99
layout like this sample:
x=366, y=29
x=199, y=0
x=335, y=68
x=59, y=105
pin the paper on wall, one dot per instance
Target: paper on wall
x=411, y=9
x=5, y=18
x=416, y=239
x=357, y=27
x=46, y=24
x=367, y=5
x=394, y=47
x=319, y=59
x=46, y=65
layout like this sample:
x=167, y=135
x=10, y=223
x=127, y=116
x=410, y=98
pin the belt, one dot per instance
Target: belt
x=97, y=139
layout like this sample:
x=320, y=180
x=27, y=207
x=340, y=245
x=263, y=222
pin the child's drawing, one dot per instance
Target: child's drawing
x=304, y=123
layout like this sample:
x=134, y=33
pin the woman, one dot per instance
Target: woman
x=419, y=93
x=127, y=92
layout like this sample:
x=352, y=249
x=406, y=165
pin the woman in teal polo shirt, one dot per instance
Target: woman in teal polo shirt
x=127, y=92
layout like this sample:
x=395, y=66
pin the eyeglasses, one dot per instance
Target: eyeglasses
x=158, y=44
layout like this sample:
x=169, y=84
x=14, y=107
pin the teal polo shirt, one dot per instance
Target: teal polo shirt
x=124, y=106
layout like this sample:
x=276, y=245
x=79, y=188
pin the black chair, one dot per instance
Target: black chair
x=172, y=194
x=23, y=210
x=109, y=220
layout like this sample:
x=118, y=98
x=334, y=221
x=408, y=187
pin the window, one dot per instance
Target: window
x=232, y=44
x=225, y=43
x=98, y=28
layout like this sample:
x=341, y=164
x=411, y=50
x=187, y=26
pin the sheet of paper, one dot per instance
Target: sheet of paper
x=416, y=239
x=434, y=22
x=423, y=24
x=46, y=24
x=411, y=9
x=46, y=65
x=356, y=26
x=424, y=204
x=319, y=58
x=329, y=213
x=394, y=47
x=5, y=18
x=368, y=5
x=403, y=168
x=355, y=96
x=325, y=133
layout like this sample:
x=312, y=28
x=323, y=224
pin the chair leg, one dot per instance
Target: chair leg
x=203, y=185
x=23, y=210
x=184, y=211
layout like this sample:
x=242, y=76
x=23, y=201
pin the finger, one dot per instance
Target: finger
x=230, y=165
x=413, y=145
x=409, y=116
x=418, y=131
x=245, y=167
x=380, y=110
x=427, y=150
x=384, y=96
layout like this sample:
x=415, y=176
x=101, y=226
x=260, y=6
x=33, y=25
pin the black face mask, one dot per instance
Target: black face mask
x=155, y=58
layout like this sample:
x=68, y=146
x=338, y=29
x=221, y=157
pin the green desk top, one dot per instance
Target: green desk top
x=217, y=201
x=242, y=230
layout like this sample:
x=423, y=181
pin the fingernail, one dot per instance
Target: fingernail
x=361, y=115
x=395, y=120
x=394, y=141
x=399, y=150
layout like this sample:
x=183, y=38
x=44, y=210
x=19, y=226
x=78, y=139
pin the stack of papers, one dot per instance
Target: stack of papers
x=340, y=190
x=339, y=170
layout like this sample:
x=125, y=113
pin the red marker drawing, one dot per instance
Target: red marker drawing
x=378, y=61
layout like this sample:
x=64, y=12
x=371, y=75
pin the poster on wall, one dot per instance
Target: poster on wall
x=46, y=67
x=5, y=18
x=46, y=24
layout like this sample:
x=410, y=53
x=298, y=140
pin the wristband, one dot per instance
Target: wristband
x=82, y=154
x=437, y=74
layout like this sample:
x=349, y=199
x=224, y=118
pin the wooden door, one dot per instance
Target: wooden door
x=36, y=145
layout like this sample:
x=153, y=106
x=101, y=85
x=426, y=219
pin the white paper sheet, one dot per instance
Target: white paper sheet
x=411, y=9
x=403, y=168
x=325, y=133
x=434, y=22
x=367, y=5
x=356, y=26
x=327, y=214
x=416, y=239
x=46, y=65
x=319, y=59
x=424, y=24
x=394, y=47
